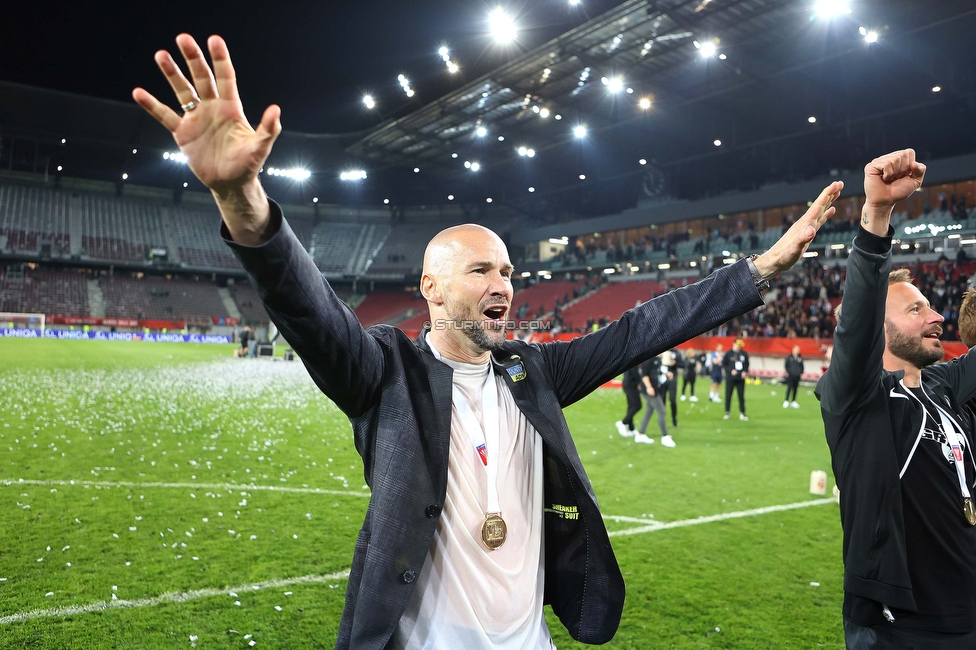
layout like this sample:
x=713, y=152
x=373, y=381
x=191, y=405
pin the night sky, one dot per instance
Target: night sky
x=315, y=59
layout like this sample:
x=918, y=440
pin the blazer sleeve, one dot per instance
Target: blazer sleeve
x=857, y=363
x=344, y=360
x=580, y=366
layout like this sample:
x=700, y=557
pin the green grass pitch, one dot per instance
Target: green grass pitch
x=174, y=497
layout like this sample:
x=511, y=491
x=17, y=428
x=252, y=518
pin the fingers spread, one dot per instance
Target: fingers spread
x=163, y=113
x=202, y=77
x=270, y=125
x=181, y=87
x=223, y=69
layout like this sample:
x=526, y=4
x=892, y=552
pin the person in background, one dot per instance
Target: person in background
x=654, y=380
x=692, y=359
x=736, y=365
x=794, y=370
x=632, y=390
x=673, y=361
x=714, y=367
x=967, y=318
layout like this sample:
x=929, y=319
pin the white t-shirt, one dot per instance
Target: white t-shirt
x=466, y=595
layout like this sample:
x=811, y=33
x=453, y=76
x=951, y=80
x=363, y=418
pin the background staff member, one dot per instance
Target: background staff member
x=736, y=365
x=714, y=367
x=673, y=361
x=632, y=390
x=901, y=445
x=654, y=381
x=794, y=370
x=692, y=359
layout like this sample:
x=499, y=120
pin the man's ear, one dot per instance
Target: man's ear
x=430, y=290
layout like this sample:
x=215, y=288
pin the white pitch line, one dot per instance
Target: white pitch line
x=179, y=597
x=171, y=597
x=209, y=486
x=633, y=520
x=721, y=517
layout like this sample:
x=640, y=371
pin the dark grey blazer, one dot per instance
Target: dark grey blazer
x=398, y=398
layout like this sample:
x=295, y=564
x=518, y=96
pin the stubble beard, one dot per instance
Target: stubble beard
x=473, y=327
x=911, y=349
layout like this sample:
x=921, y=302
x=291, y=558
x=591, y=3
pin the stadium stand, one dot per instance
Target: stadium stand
x=608, y=303
x=45, y=291
x=31, y=215
x=196, y=233
x=119, y=229
x=389, y=306
x=403, y=250
x=159, y=298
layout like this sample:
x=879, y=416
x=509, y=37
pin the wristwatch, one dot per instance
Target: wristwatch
x=762, y=284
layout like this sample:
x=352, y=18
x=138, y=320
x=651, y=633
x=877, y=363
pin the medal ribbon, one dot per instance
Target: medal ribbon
x=483, y=435
x=952, y=436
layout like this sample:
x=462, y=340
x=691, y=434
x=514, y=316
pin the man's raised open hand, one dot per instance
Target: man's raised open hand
x=221, y=148
x=790, y=248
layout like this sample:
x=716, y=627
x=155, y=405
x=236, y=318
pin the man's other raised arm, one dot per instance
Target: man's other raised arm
x=857, y=360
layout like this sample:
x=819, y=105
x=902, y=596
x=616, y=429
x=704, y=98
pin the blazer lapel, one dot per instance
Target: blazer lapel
x=437, y=425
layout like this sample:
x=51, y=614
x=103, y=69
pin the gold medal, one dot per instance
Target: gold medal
x=970, y=511
x=494, y=530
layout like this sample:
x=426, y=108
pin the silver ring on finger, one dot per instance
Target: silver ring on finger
x=189, y=106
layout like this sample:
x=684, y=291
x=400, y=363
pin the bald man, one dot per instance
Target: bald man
x=480, y=511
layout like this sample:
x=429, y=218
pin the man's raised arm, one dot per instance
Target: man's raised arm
x=221, y=148
x=859, y=342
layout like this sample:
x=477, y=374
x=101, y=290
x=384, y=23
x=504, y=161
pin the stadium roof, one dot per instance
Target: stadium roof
x=743, y=93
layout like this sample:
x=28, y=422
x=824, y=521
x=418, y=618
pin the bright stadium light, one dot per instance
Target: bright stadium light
x=543, y=113
x=831, y=8
x=708, y=49
x=717, y=142
x=522, y=151
x=501, y=26
x=574, y=3
x=369, y=102
x=296, y=173
x=530, y=153
x=582, y=177
x=812, y=119
x=353, y=175
x=467, y=164
x=175, y=156
x=481, y=132
x=644, y=103
x=416, y=170
x=444, y=52
x=937, y=89
x=871, y=37
x=450, y=197
x=475, y=166
x=60, y=168
x=615, y=84
x=531, y=189
x=125, y=176
x=580, y=131
x=185, y=184
x=642, y=161
x=453, y=67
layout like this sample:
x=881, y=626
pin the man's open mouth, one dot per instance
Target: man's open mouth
x=496, y=313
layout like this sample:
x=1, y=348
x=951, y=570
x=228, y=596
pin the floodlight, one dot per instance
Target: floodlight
x=452, y=67
x=467, y=164
x=444, y=52
x=615, y=84
x=937, y=89
x=488, y=200
x=579, y=131
x=501, y=26
x=353, y=175
x=717, y=143
x=530, y=153
x=410, y=92
x=642, y=161
x=531, y=189
x=558, y=117
x=582, y=177
x=812, y=119
x=60, y=167
x=450, y=197
x=863, y=31
x=644, y=103
x=501, y=138
x=185, y=183
x=386, y=201
x=475, y=166
x=481, y=132
x=871, y=37
x=831, y=8
x=454, y=155
x=722, y=57
x=544, y=112
x=536, y=109
x=416, y=170
x=135, y=151
x=315, y=199
x=708, y=49
x=125, y=176
x=522, y=151
x=368, y=101
x=63, y=141
x=574, y=3
x=175, y=156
